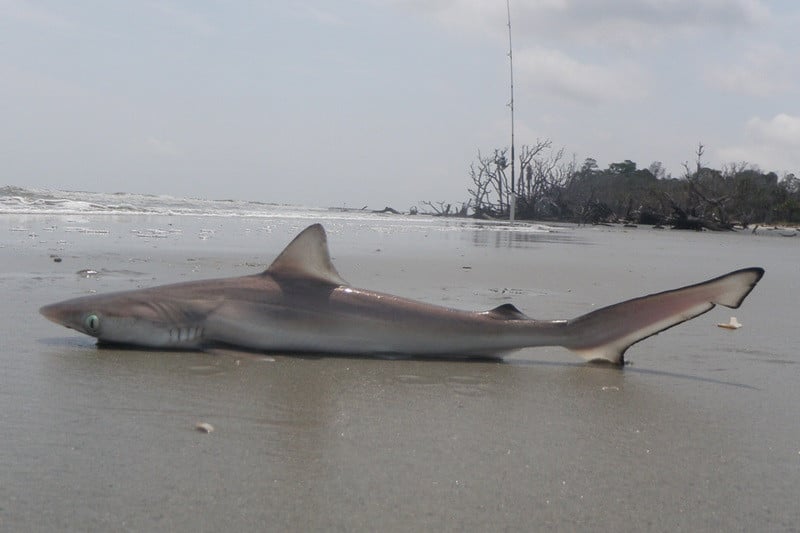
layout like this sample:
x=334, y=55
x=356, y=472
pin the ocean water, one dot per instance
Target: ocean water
x=80, y=208
x=19, y=200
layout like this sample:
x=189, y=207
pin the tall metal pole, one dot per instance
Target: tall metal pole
x=513, y=202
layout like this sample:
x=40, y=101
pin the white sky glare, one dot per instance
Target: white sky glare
x=382, y=102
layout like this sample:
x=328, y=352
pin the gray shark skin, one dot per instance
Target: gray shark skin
x=301, y=304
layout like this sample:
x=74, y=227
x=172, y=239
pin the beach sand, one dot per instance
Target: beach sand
x=700, y=433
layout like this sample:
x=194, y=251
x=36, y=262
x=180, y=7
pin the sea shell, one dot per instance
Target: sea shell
x=732, y=324
x=204, y=427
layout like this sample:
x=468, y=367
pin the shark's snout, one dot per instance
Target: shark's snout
x=60, y=314
x=52, y=312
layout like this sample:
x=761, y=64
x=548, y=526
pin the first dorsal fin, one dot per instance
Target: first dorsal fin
x=307, y=256
x=507, y=312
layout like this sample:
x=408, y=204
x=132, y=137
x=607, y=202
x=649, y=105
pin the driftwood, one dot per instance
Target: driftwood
x=443, y=209
x=387, y=209
x=680, y=219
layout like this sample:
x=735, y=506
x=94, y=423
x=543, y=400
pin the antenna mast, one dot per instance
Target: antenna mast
x=513, y=202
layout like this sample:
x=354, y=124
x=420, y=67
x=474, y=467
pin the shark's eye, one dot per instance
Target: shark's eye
x=92, y=323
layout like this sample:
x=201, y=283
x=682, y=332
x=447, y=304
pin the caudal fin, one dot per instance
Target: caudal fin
x=605, y=334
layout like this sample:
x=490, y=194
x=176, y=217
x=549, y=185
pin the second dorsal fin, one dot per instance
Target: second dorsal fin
x=507, y=312
x=307, y=256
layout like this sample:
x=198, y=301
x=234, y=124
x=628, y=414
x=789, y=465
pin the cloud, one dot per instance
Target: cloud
x=773, y=144
x=668, y=13
x=572, y=47
x=782, y=130
x=564, y=76
x=636, y=23
x=763, y=70
x=602, y=22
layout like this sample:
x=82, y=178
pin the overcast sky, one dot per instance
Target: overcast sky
x=382, y=102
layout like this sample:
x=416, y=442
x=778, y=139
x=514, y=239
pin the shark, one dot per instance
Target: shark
x=300, y=304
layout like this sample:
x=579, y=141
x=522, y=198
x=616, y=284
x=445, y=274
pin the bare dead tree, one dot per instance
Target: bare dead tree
x=731, y=170
x=490, y=191
x=481, y=175
x=546, y=172
x=500, y=180
x=445, y=209
x=699, y=153
x=526, y=154
x=542, y=175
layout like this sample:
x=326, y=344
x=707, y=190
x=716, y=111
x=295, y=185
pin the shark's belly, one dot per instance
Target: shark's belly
x=348, y=330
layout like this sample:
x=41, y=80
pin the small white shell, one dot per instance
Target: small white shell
x=204, y=427
x=733, y=324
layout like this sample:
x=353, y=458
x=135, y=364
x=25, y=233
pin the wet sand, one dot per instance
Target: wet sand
x=700, y=433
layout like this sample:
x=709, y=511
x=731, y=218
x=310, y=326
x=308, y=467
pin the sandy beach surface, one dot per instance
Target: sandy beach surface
x=700, y=433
